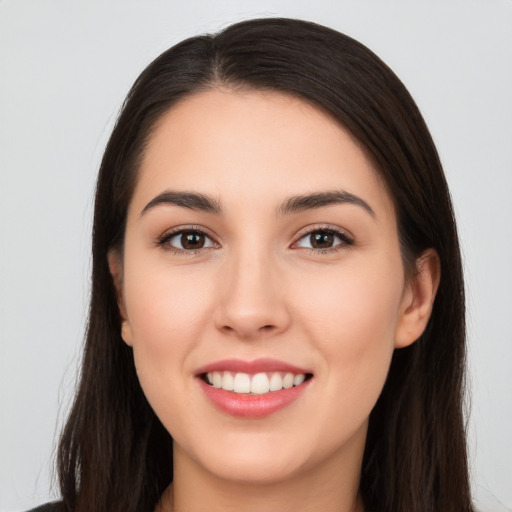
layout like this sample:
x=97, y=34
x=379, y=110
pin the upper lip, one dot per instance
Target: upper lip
x=252, y=367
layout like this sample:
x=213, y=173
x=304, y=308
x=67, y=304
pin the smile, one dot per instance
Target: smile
x=252, y=389
x=257, y=384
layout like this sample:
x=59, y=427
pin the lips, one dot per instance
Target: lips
x=252, y=389
x=252, y=367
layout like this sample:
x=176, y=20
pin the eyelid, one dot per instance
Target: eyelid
x=169, y=234
x=346, y=238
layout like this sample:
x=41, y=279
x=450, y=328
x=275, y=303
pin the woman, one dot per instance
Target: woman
x=277, y=312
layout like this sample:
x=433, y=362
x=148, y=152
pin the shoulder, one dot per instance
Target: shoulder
x=48, y=507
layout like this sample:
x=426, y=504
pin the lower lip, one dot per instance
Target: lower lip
x=252, y=406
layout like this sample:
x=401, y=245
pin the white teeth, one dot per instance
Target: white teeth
x=257, y=384
x=217, y=379
x=227, y=381
x=298, y=379
x=242, y=383
x=276, y=382
x=288, y=381
x=260, y=384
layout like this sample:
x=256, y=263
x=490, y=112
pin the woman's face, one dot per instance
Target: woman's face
x=261, y=250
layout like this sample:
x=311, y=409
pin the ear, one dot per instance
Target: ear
x=418, y=299
x=115, y=266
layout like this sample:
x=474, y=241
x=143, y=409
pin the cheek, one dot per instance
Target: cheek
x=166, y=312
x=352, y=317
x=353, y=304
x=163, y=304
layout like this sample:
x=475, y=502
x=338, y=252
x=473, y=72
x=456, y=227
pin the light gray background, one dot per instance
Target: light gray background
x=64, y=70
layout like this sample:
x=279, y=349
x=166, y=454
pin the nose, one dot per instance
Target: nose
x=252, y=298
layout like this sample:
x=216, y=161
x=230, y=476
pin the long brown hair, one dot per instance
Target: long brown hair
x=114, y=454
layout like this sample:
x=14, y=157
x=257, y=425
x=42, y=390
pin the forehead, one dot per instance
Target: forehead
x=254, y=147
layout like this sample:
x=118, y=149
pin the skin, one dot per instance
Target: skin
x=258, y=289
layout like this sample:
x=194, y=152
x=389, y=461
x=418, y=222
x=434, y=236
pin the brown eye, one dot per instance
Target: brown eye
x=324, y=239
x=321, y=240
x=190, y=240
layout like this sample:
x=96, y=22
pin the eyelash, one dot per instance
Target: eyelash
x=163, y=241
x=345, y=240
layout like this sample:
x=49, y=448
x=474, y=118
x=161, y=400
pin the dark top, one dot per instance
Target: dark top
x=49, y=507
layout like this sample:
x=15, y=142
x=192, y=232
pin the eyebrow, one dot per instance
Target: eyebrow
x=322, y=199
x=191, y=200
x=208, y=204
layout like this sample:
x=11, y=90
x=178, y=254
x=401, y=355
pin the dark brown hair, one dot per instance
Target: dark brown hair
x=114, y=454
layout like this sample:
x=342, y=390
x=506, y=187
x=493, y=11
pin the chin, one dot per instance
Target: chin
x=252, y=459
x=256, y=471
